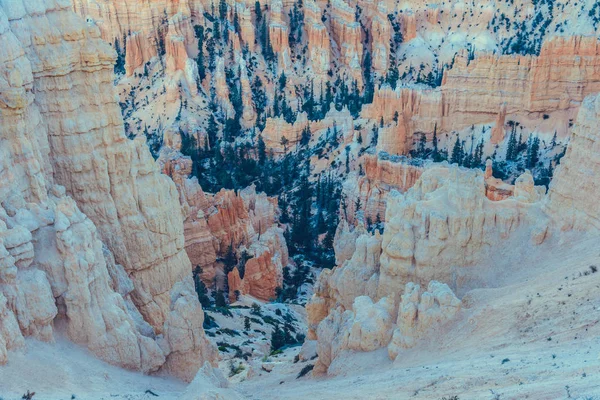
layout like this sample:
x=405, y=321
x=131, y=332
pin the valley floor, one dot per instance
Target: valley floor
x=535, y=337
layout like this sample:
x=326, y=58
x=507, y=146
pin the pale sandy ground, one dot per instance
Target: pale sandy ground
x=529, y=339
x=59, y=371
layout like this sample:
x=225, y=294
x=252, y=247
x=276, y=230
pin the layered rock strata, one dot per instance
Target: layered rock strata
x=244, y=221
x=490, y=87
x=89, y=226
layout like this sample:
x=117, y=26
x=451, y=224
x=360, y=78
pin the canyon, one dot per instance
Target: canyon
x=289, y=199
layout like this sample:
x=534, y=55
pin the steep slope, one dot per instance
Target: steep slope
x=88, y=223
x=446, y=229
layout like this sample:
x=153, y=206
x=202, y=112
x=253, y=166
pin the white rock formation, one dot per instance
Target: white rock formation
x=420, y=311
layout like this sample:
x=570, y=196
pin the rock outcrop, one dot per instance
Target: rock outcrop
x=347, y=35
x=263, y=272
x=244, y=221
x=90, y=229
x=319, y=46
x=444, y=234
x=437, y=231
x=141, y=27
x=489, y=87
x=365, y=327
x=573, y=190
x=278, y=34
x=382, y=174
x=420, y=311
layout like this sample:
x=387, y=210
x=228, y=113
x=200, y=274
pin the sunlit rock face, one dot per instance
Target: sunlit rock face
x=89, y=227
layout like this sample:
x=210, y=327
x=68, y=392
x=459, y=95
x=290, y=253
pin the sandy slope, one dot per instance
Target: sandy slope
x=61, y=370
x=529, y=339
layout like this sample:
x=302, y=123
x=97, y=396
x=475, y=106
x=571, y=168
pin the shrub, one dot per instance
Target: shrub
x=305, y=370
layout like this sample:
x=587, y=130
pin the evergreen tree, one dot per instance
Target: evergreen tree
x=262, y=151
x=258, y=12
x=230, y=260
x=422, y=145
x=347, y=159
x=369, y=87
x=434, y=143
x=357, y=205
x=533, y=152
x=392, y=75
x=374, y=136
x=333, y=135
x=247, y=324
x=200, y=287
x=223, y=10
x=220, y=299
x=512, y=147
x=277, y=338
x=457, y=152
x=282, y=81
x=119, y=68
x=305, y=138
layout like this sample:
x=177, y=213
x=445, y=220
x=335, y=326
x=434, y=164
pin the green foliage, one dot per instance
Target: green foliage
x=220, y=299
x=120, y=62
x=305, y=370
x=200, y=287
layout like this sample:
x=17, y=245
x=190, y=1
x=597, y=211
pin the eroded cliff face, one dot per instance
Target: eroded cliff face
x=244, y=222
x=487, y=88
x=446, y=229
x=91, y=230
x=370, y=191
x=571, y=197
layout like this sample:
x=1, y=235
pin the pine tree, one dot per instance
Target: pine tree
x=277, y=338
x=333, y=138
x=230, y=260
x=422, y=145
x=512, y=147
x=374, y=136
x=533, y=152
x=434, y=143
x=347, y=159
x=305, y=138
x=282, y=81
x=201, y=288
x=220, y=299
x=392, y=75
x=120, y=63
x=247, y=324
x=258, y=12
x=357, y=205
x=457, y=152
x=222, y=10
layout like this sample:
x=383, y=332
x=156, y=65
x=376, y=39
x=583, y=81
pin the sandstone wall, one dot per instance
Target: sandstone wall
x=111, y=264
x=245, y=220
x=571, y=199
x=478, y=90
x=381, y=175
